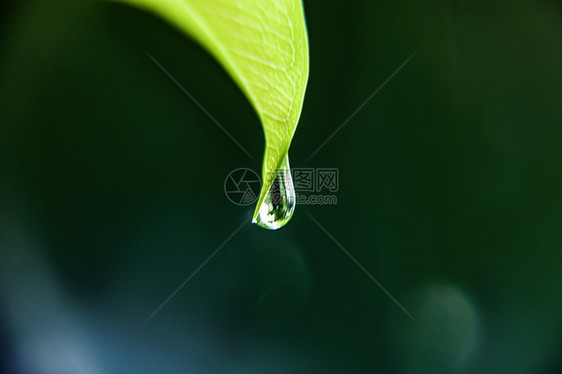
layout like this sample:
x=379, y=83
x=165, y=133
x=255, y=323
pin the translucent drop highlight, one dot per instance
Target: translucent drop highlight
x=278, y=205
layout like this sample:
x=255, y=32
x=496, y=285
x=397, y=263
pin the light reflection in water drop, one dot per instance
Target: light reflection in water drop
x=278, y=206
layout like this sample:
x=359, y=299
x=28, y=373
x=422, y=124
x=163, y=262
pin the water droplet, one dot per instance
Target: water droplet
x=278, y=206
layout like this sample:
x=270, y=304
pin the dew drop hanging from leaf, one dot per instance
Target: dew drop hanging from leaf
x=276, y=207
x=263, y=46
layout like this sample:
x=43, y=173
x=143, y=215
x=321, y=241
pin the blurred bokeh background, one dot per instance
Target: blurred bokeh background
x=111, y=195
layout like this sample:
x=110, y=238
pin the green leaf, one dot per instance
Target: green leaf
x=263, y=46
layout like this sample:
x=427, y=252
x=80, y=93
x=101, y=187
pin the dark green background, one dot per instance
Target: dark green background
x=111, y=193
